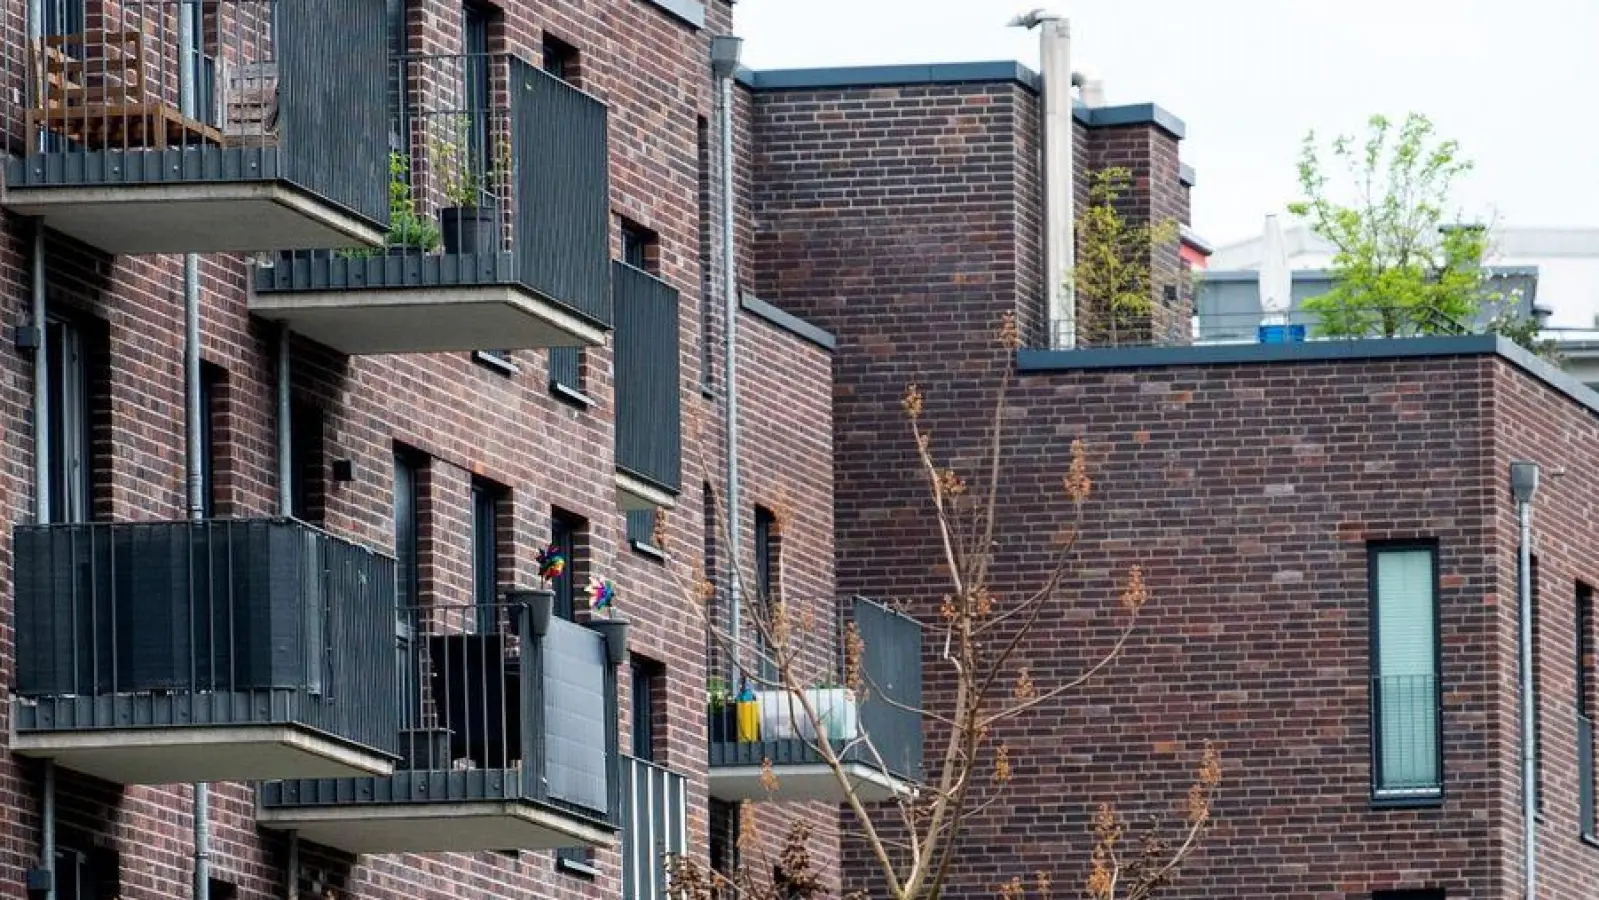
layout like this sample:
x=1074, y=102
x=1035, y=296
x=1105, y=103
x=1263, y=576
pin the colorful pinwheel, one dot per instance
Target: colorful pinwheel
x=551, y=563
x=602, y=596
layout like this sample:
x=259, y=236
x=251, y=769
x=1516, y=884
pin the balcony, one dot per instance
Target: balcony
x=649, y=412
x=499, y=213
x=508, y=742
x=654, y=824
x=228, y=650
x=874, y=729
x=204, y=126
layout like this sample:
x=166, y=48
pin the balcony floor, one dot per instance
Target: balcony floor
x=806, y=781
x=179, y=754
x=438, y=319
x=207, y=217
x=450, y=827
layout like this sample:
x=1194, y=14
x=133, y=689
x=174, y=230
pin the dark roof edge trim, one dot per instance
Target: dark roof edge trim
x=691, y=12
x=888, y=76
x=1041, y=362
x=788, y=322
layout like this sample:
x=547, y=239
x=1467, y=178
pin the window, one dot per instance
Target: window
x=71, y=476
x=564, y=531
x=486, y=499
x=724, y=837
x=765, y=566
x=1407, y=760
x=702, y=133
x=475, y=44
x=641, y=525
x=1585, y=736
x=87, y=873
x=408, y=571
x=648, y=679
x=307, y=487
x=1408, y=895
x=394, y=15
x=62, y=17
x=639, y=248
x=561, y=59
x=211, y=411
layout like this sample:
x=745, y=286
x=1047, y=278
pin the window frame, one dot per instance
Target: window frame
x=486, y=500
x=69, y=421
x=564, y=529
x=1391, y=797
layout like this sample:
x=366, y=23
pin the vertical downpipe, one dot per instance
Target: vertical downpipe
x=1529, y=733
x=196, y=503
x=285, y=426
x=1060, y=186
x=730, y=372
x=41, y=511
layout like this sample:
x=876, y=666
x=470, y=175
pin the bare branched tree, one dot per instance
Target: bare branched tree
x=976, y=647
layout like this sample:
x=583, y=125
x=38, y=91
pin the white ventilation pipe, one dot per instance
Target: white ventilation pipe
x=1060, y=194
x=1090, y=87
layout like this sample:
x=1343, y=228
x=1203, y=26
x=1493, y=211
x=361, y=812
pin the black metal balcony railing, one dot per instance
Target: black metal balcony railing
x=654, y=825
x=884, y=707
x=1585, y=776
x=1407, y=752
x=497, y=176
x=163, y=92
x=484, y=714
x=227, y=622
x=649, y=415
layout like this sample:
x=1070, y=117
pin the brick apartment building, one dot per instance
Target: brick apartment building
x=1326, y=527
x=383, y=438
x=305, y=586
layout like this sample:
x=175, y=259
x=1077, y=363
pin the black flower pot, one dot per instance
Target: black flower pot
x=615, y=633
x=468, y=229
x=540, y=605
x=724, y=723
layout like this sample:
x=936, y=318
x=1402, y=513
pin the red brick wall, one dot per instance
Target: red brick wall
x=652, y=71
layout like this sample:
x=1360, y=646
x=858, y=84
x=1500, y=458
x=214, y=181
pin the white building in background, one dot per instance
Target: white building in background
x=1556, y=271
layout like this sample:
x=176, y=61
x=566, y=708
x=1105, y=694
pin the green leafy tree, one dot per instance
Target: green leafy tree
x=1113, y=275
x=1401, y=266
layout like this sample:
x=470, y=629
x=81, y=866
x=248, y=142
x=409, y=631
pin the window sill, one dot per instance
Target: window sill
x=645, y=548
x=498, y=364
x=569, y=394
x=573, y=867
x=1591, y=840
x=1413, y=802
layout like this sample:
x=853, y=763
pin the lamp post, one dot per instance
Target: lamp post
x=1523, y=485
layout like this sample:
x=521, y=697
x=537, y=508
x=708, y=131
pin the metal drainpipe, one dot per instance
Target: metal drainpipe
x=41, y=508
x=730, y=376
x=285, y=426
x=1529, y=736
x=196, y=504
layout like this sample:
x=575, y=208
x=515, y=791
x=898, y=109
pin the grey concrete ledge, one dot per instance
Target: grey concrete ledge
x=1197, y=241
x=790, y=323
x=691, y=12
x=888, y=76
x=1187, y=175
x=1132, y=114
x=1043, y=362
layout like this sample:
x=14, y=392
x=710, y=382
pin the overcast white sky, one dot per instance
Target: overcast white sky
x=1517, y=83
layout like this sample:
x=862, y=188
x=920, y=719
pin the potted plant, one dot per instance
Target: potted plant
x=720, y=708
x=541, y=603
x=602, y=606
x=409, y=233
x=470, y=218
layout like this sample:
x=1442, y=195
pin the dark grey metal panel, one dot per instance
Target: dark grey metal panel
x=332, y=101
x=892, y=666
x=214, y=622
x=578, y=758
x=563, y=191
x=324, y=271
x=649, y=416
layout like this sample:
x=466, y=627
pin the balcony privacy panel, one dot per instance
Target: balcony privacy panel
x=654, y=824
x=489, y=713
x=649, y=414
x=563, y=187
x=332, y=94
x=264, y=90
x=225, y=621
x=578, y=679
x=893, y=670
